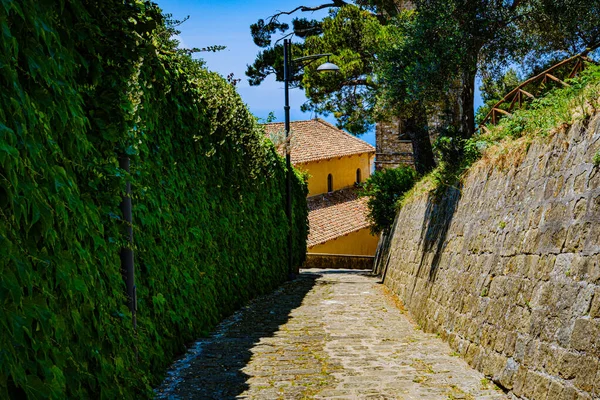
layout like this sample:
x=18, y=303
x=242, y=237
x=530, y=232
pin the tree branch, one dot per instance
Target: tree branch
x=359, y=82
x=514, y=5
x=334, y=3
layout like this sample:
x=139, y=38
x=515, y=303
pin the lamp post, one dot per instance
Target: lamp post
x=286, y=77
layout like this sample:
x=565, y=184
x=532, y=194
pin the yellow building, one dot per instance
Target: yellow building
x=335, y=161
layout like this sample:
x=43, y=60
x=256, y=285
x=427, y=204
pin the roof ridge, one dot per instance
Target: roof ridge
x=316, y=139
x=344, y=132
x=337, y=236
x=330, y=222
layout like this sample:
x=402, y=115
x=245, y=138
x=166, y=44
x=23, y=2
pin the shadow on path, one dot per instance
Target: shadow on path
x=212, y=368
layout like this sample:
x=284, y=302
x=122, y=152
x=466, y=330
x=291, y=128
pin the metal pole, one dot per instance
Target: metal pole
x=288, y=162
x=127, y=264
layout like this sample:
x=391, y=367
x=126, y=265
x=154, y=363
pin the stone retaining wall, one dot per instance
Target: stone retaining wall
x=507, y=267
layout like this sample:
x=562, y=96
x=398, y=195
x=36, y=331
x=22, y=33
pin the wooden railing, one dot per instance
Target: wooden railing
x=520, y=95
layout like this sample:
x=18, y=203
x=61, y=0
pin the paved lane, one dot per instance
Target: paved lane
x=330, y=334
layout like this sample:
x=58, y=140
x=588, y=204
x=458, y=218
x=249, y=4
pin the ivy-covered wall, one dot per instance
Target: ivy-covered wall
x=81, y=82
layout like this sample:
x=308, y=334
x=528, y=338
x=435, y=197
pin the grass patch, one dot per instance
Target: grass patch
x=556, y=112
x=596, y=159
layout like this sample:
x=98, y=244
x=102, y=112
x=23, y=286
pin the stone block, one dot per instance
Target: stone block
x=592, y=245
x=562, y=266
x=520, y=381
x=583, y=396
x=551, y=356
x=517, y=266
x=535, y=216
x=542, y=387
x=532, y=262
x=546, y=265
x=531, y=382
x=487, y=335
x=531, y=355
x=552, y=238
x=556, y=389
x=594, y=270
x=569, y=364
x=549, y=188
x=472, y=353
x=564, y=332
x=583, y=302
x=593, y=181
x=596, y=391
x=525, y=293
x=595, y=307
x=569, y=393
x=494, y=364
x=594, y=204
x=579, y=208
x=500, y=340
x=566, y=296
x=452, y=340
x=577, y=236
x=586, y=373
x=509, y=346
x=556, y=212
x=580, y=181
x=542, y=293
x=538, y=322
x=508, y=374
x=582, y=267
x=585, y=334
x=520, y=345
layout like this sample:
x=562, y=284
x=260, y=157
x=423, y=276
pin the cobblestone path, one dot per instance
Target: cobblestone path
x=330, y=334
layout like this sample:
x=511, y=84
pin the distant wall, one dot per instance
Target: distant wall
x=393, y=147
x=361, y=242
x=338, y=261
x=507, y=267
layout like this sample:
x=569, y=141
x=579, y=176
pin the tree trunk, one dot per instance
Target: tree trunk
x=466, y=102
x=416, y=128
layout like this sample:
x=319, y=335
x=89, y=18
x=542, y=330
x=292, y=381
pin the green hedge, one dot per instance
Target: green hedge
x=81, y=82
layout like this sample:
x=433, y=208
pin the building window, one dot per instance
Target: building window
x=329, y=183
x=358, y=175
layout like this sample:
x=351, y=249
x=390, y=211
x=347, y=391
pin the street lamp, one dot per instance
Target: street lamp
x=326, y=67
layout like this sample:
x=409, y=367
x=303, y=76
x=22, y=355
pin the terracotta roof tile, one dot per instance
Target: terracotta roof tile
x=336, y=214
x=315, y=140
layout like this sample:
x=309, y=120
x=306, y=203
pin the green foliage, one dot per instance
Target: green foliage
x=270, y=60
x=384, y=189
x=446, y=43
x=79, y=87
x=567, y=25
x=558, y=109
x=455, y=155
x=494, y=87
x=352, y=35
x=596, y=159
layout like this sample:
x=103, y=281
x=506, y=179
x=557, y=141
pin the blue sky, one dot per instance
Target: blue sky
x=227, y=23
